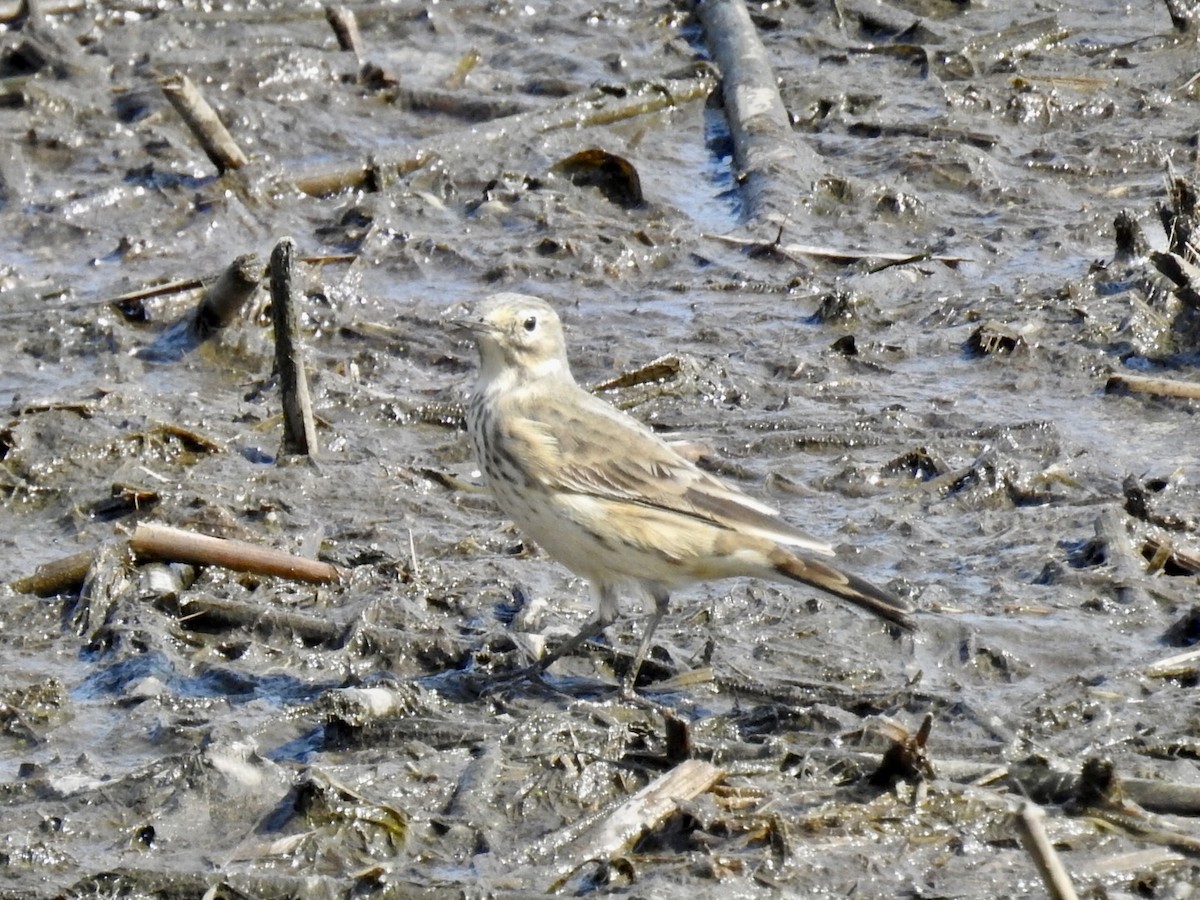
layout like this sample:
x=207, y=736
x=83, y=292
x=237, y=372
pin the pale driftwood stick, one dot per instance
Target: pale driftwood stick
x=1140, y=384
x=767, y=153
x=214, y=137
x=15, y=11
x=593, y=107
x=345, y=26
x=162, y=542
x=1130, y=574
x=605, y=837
x=1031, y=824
x=60, y=576
x=1109, y=868
x=178, y=286
x=1183, y=557
x=228, y=295
x=299, y=429
x=1181, y=665
x=836, y=254
x=1171, y=798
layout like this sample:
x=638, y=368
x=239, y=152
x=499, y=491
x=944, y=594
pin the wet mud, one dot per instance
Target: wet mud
x=931, y=361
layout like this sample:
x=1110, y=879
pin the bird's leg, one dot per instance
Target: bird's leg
x=533, y=673
x=606, y=614
x=566, y=648
x=661, y=600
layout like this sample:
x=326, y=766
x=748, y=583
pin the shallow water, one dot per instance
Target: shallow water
x=149, y=747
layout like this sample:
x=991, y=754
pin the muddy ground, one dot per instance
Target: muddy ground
x=170, y=730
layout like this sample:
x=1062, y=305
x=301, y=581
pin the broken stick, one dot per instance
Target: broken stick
x=768, y=155
x=299, y=428
x=162, y=542
x=214, y=137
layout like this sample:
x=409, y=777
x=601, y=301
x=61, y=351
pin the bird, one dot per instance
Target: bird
x=611, y=500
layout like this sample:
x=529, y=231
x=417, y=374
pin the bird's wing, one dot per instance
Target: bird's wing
x=574, y=442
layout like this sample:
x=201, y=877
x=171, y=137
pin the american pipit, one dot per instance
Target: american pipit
x=608, y=498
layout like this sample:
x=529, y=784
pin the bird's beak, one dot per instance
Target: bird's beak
x=469, y=326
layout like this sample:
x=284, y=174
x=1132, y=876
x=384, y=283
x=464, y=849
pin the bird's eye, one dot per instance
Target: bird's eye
x=531, y=323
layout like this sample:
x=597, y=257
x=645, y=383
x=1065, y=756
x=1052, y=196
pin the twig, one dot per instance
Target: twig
x=318, y=629
x=838, y=255
x=1181, y=665
x=1140, y=384
x=60, y=576
x=634, y=816
x=1160, y=551
x=216, y=309
x=161, y=542
x=594, y=107
x=299, y=429
x=132, y=300
x=214, y=137
x=14, y=11
x=768, y=155
x=345, y=26
x=225, y=299
x=1130, y=568
x=1031, y=824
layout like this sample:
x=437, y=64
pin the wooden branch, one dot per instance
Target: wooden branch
x=631, y=819
x=345, y=26
x=768, y=155
x=1140, y=384
x=1031, y=824
x=299, y=429
x=591, y=108
x=1129, y=575
x=1179, y=665
x=161, y=542
x=61, y=576
x=225, y=299
x=836, y=254
x=213, y=136
x=216, y=309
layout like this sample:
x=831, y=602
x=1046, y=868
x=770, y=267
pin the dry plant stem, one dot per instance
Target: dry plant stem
x=238, y=614
x=345, y=26
x=1159, y=551
x=1130, y=567
x=635, y=816
x=307, y=627
x=835, y=253
x=222, y=302
x=214, y=138
x=1031, y=823
x=178, y=286
x=1171, y=798
x=1163, y=387
x=594, y=107
x=299, y=429
x=161, y=542
x=1181, y=665
x=16, y=11
x=764, y=146
x=61, y=576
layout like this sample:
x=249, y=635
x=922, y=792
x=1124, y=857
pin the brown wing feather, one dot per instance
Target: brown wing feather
x=574, y=442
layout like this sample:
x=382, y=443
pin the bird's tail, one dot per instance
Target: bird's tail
x=849, y=587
